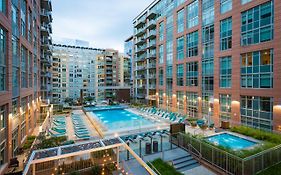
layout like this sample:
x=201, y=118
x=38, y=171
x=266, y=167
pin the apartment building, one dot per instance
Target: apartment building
x=124, y=70
x=73, y=70
x=20, y=99
x=128, y=52
x=215, y=59
x=46, y=50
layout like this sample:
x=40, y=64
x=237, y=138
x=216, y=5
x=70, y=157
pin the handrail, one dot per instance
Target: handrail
x=198, y=152
x=261, y=153
x=153, y=167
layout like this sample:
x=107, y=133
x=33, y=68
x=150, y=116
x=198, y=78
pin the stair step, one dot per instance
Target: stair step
x=187, y=155
x=184, y=159
x=183, y=169
x=185, y=164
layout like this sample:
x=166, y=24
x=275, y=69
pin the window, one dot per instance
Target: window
x=226, y=34
x=23, y=131
x=257, y=24
x=208, y=12
x=30, y=76
x=208, y=42
x=180, y=48
x=2, y=152
x=257, y=112
x=160, y=98
x=169, y=49
x=192, y=104
x=180, y=75
x=180, y=100
x=192, y=44
x=225, y=107
x=192, y=14
x=3, y=117
x=226, y=5
x=23, y=67
x=23, y=17
x=161, y=77
x=15, y=26
x=225, y=72
x=245, y=1
x=3, y=62
x=257, y=69
x=161, y=31
x=180, y=21
x=161, y=54
x=192, y=74
x=3, y=6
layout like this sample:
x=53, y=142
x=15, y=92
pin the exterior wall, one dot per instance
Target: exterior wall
x=20, y=120
x=236, y=91
x=74, y=68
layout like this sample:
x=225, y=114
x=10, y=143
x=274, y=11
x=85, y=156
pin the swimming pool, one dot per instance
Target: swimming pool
x=231, y=141
x=98, y=108
x=118, y=119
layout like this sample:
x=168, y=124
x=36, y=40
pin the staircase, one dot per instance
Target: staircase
x=185, y=163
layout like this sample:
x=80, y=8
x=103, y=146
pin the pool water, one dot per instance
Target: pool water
x=116, y=119
x=231, y=141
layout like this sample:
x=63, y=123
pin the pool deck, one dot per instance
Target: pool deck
x=70, y=130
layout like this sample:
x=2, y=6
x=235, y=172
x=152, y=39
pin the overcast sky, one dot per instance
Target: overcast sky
x=104, y=23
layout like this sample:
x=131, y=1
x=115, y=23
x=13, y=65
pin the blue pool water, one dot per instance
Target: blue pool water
x=116, y=119
x=230, y=141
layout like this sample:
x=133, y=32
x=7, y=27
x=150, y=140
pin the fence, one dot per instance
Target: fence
x=225, y=161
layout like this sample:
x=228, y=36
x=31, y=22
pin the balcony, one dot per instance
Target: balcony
x=151, y=15
x=152, y=76
x=152, y=86
x=151, y=45
x=140, y=67
x=140, y=32
x=46, y=74
x=140, y=41
x=140, y=23
x=151, y=24
x=46, y=16
x=152, y=66
x=46, y=4
x=45, y=30
x=141, y=50
x=151, y=35
x=151, y=55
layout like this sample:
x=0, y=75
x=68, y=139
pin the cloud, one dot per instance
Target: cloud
x=104, y=23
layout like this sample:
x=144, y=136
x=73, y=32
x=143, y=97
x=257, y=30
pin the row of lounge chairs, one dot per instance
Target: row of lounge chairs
x=173, y=117
x=58, y=127
x=80, y=128
x=143, y=136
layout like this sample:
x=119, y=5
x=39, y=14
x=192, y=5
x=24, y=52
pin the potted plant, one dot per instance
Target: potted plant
x=204, y=126
x=193, y=124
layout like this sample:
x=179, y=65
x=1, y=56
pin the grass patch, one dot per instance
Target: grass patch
x=272, y=170
x=164, y=168
x=28, y=143
x=51, y=142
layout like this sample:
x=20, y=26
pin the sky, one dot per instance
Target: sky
x=104, y=23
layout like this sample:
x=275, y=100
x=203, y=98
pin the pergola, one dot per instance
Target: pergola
x=80, y=149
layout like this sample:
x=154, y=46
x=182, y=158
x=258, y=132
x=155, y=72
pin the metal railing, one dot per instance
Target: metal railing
x=153, y=167
x=227, y=162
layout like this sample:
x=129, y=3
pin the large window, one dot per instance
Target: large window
x=161, y=54
x=245, y=1
x=161, y=77
x=23, y=17
x=208, y=12
x=225, y=107
x=226, y=34
x=180, y=100
x=161, y=31
x=225, y=72
x=2, y=152
x=192, y=14
x=3, y=117
x=3, y=62
x=257, y=69
x=192, y=44
x=169, y=54
x=226, y=5
x=192, y=104
x=180, y=21
x=180, y=75
x=24, y=67
x=257, y=112
x=3, y=6
x=180, y=48
x=192, y=74
x=257, y=24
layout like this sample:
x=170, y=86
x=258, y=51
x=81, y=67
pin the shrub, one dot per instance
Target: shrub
x=164, y=168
